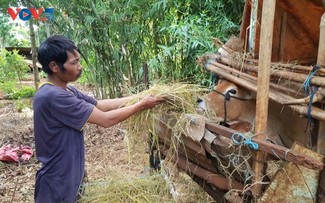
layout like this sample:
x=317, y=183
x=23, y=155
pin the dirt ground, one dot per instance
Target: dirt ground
x=106, y=151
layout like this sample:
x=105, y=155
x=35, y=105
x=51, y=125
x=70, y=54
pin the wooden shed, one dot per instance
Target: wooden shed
x=280, y=33
x=285, y=31
x=280, y=41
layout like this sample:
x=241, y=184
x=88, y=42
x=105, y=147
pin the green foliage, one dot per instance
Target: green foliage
x=13, y=34
x=5, y=28
x=23, y=103
x=187, y=30
x=23, y=92
x=13, y=91
x=118, y=38
x=12, y=66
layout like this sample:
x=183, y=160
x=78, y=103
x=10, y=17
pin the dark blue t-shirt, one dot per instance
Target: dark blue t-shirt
x=59, y=116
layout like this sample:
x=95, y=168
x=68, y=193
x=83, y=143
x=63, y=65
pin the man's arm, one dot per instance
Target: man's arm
x=112, y=117
x=111, y=104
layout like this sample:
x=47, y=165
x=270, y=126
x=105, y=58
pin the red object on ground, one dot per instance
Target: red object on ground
x=7, y=153
x=26, y=153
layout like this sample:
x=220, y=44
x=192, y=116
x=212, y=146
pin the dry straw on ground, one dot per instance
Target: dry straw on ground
x=145, y=189
x=123, y=189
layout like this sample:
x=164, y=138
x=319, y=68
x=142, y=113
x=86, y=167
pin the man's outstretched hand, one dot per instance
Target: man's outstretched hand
x=150, y=101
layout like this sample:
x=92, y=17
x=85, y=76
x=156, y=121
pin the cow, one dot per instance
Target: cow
x=232, y=103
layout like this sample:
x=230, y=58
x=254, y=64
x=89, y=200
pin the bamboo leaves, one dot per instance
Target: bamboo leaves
x=123, y=35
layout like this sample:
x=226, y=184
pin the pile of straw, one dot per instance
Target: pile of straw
x=123, y=189
x=180, y=100
x=146, y=189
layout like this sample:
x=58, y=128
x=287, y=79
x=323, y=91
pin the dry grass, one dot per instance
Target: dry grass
x=151, y=186
x=180, y=101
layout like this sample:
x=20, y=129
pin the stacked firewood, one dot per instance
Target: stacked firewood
x=202, y=154
x=208, y=153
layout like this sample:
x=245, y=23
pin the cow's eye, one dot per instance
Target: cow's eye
x=233, y=91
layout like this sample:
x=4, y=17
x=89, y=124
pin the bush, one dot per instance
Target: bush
x=11, y=91
x=24, y=92
x=12, y=66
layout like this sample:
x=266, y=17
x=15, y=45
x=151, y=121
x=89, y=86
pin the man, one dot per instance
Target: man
x=60, y=112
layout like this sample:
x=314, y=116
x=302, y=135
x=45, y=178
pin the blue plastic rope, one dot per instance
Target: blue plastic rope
x=311, y=102
x=311, y=90
x=308, y=79
x=238, y=139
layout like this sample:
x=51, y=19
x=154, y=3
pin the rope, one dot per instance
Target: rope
x=286, y=154
x=239, y=138
x=311, y=90
x=227, y=97
x=307, y=86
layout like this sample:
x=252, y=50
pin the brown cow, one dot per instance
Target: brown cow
x=232, y=102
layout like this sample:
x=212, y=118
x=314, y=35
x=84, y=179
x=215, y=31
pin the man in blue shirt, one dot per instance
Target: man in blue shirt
x=60, y=112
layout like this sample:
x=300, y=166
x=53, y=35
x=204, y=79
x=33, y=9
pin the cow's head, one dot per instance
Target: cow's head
x=226, y=98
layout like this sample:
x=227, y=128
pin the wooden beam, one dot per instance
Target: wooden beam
x=217, y=180
x=267, y=147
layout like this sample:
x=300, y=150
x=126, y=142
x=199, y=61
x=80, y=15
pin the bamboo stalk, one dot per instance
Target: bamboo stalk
x=252, y=66
x=254, y=79
x=279, y=151
x=293, y=67
x=298, y=77
x=276, y=96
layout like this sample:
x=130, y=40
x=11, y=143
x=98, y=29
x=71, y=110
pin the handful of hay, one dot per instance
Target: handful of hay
x=180, y=100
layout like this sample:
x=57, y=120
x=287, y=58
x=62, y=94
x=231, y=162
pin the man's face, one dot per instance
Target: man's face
x=73, y=68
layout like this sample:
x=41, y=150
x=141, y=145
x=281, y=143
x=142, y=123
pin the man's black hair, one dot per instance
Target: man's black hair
x=55, y=49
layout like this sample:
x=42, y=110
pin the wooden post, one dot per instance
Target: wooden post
x=321, y=61
x=263, y=81
x=321, y=44
x=253, y=26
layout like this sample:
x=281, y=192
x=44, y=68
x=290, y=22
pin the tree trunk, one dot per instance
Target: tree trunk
x=34, y=54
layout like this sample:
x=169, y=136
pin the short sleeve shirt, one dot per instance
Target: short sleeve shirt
x=59, y=116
